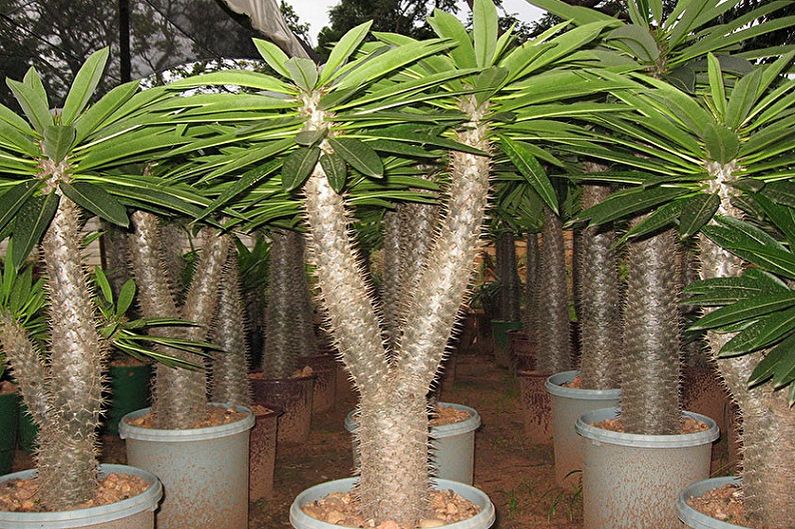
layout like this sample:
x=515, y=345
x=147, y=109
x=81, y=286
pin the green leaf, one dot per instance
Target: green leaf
x=58, y=140
x=104, y=285
x=760, y=334
x=87, y=122
x=742, y=98
x=273, y=55
x=310, y=138
x=297, y=167
x=773, y=362
x=722, y=143
x=13, y=199
x=716, y=84
x=484, y=29
x=359, y=155
x=656, y=220
x=30, y=224
x=489, y=82
x=83, y=86
x=126, y=296
x=98, y=201
x=527, y=164
x=696, y=212
x=33, y=106
x=343, y=50
x=447, y=26
x=244, y=78
x=638, y=40
x=745, y=310
x=336, y=171
x=303, y=72
x=783, y=217
x=625, y=203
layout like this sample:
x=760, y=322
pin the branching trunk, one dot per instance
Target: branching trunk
x=230, y=365
x=650, y=371
x=509, y=299
x=600, y=322
x=553, y=338
x=768, y=422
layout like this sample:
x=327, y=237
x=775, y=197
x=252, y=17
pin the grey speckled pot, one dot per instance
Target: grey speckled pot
x=632, y=481
x=696, y=520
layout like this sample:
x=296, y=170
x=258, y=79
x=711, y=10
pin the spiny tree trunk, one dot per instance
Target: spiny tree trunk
x=392, y=416
x=768, y=421
x=509, y=298
x=179, y=395
x=600, y=322
x=64, y=395
x=553, y=339
x=230, y=365
x=530, y=316
x=115, y=255
x=650, y=369
x=694, y=349
x=392, y=278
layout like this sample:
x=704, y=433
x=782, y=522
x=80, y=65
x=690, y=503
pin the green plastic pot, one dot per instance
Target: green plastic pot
x=9, y=413
x=28, y=431
x=129, y=389
x=499, y=332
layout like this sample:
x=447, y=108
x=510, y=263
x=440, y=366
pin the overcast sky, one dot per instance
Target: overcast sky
x=315, y=12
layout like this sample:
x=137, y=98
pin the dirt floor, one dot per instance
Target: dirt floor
x=517, y=476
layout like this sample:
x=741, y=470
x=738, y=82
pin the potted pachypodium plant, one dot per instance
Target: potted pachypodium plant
x=337, y=113
x=55, y=165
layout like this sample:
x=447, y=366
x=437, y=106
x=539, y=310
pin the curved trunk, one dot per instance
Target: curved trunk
x=67, y=456
x=553, y=345
x=509, y=302
x=600, y=321
x=768, y=429
x=230, y=365
x=650, y=371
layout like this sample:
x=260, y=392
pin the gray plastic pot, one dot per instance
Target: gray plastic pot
x=452, y=445
x=133, y=513
x=483, y=520
x=697, y=520
x=204, y=471
x=632, y=481
x=568, y=404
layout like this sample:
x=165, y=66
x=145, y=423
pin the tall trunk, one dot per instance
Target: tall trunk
x=768, y=421
x=67, y=457
x=553, y=339
x=230, y=365
x=600, y=322
x=509, y=300
x=305, y=341
x=392, y=279
x=279, y=358
x=650, y=370
x=530, y=316
x=115, y=256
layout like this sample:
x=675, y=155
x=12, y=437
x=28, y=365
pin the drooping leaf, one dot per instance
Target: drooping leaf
x=696, y=212
x=527, y=164
x=13, y=199
x=761, y=333
x=745, y=310
x=336, y=171
x=83, y=86
x=30, y=223
x=359, y=155
x=297, y=167
x=98, y=201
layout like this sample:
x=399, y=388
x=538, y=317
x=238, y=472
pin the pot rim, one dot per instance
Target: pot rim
x=696, y=519
x=147, y=500
x=554, y=386
x=139, y=433
x=585, y=428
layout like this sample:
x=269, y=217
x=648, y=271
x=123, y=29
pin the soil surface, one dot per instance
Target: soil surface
x=517, y=476
x=448, y=415
x=688, y=425
x=214, y=417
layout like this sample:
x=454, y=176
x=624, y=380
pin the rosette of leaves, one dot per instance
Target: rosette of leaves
x=54, y=167
x=351, y=134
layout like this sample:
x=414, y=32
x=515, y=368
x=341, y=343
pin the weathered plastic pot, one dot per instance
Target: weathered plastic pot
x=294, y=397
x=698, y=520
x=499, y=332
x=262, y=453
x=535, y=406
x=137, y=512
x=452, y=445
x=9, y=417
x=632, y=481
x=483, y=520
x=568, y=405
x=203, y=471
x=324, y=393
x=129, y=391
x=28, y=432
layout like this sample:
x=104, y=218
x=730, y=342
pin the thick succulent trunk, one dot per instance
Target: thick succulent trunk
x=305, y=341
x=509, y=299
x=768, y=422
x=230, y=365
x=179, y=396
x=115, y=255
x=279, y=358
x=67, y=456
x=172, y=250
x=650, y=369
x=600, y=321
x=392, y=279
x=530, y=315
x=553, y=339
